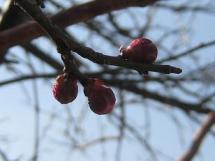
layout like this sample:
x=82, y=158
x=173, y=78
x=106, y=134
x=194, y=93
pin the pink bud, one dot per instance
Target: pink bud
x=65, y=90
x=140, y=50
x=101, y=98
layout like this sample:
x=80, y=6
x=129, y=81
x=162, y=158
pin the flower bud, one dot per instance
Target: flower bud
x=140, y=50
x=101, y=98
x=65, y=89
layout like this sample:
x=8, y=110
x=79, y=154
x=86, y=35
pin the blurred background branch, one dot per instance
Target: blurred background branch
x=154, y=118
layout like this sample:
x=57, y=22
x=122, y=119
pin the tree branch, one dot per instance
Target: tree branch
x=186, y=106
x=65, y=43
x=31, y=30
x=189, y=51
x=198, y=138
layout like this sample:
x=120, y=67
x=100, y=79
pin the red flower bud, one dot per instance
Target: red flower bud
x=140, y=50
x=101, y=98
x=65, y=89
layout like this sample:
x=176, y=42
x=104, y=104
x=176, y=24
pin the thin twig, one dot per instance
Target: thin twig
x=188, y=52
x=65, y=44
x=25, y=32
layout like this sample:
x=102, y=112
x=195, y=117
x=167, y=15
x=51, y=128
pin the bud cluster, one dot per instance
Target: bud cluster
x=101, y=98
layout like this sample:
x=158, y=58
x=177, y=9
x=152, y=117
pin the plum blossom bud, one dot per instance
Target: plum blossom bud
x=65, y=89
x=140, y=50
x=101, y=98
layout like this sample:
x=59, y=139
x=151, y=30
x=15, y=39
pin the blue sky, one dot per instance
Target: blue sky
x=17, y=102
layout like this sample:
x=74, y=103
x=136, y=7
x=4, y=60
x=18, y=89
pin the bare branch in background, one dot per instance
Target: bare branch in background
x=88, y=34
x=198, y=138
